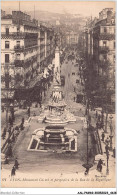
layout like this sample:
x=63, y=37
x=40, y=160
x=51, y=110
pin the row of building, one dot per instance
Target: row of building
x=27, y=49
x=97, y=41
x=72, y=38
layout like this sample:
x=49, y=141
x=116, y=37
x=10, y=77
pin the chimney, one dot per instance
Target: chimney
x=109, y=16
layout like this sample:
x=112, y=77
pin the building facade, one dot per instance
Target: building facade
x=71, y=38
x=26, y=49
x=104, y=40
x=19, y=49
x=97, y=43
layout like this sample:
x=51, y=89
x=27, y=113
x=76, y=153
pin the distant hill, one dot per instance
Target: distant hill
x=46, y=16
x=68, y=21
x=49, y=16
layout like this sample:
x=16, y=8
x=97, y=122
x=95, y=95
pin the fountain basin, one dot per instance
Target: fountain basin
x=53, y=138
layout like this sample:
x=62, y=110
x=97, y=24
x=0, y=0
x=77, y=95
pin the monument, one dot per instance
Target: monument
x=57, y=112
x=54, y=136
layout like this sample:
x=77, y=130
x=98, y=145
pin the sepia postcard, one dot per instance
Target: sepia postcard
x=58, y=94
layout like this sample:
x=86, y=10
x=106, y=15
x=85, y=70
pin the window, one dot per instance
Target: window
x=6, y=58
x=18, y=56
x=7, y=31
x=114, y=45
x=105, y=29
x=18, y=30
x=104, y=43
x=114, y=58
x=6, y=44
x=105, y=57
x=18, y=44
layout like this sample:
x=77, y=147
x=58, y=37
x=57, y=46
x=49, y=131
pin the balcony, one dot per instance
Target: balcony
x=18, y=48
x=103, y=49
x=13, y=35
x=20, y=35
x=5, y=64
x=106, y=36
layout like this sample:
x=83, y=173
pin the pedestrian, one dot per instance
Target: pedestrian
x=99, y=165
x=13, y=138
x=34, y=114
x=16, y=164
x=4, y=130
x=101, y=125
x=36, y=105
x=9, y=130
x=97, y=125
x=103, y=136
x=114, y=152
x=9, y=141
x=74, y=99
x=9, y=151
x=17, y=128
x=10, y=121
x=6, y=160
x=22, y=120
x=86, y=171
x=99, y=117
x=21, y=126
x=89, y=118
x=107, y=141
x=4, y=133
x=2, y=108
x=13, y=171
x=44, y=120
x=28, y=112
x=40, y=105
x=106, y=149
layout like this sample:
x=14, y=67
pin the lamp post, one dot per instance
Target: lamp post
x=87, y=165
x=107, y=157
x=7, y=79
x=102, y=118
x=111, y=132
x=12, y=111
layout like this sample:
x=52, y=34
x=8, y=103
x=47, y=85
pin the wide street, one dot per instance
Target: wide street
x=48, y=161
x=53, y=164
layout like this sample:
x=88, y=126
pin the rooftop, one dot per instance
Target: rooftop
x=9, y=16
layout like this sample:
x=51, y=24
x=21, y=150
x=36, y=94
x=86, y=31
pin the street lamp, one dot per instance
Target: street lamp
x=7, y=79
x=12, y=111
x=87, y=165
x=111, y=132
x=107, y=157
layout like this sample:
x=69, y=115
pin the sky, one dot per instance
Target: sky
x=76, y=7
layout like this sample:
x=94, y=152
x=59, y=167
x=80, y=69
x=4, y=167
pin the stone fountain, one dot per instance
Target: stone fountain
x=55, y=137
x=56, y=112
